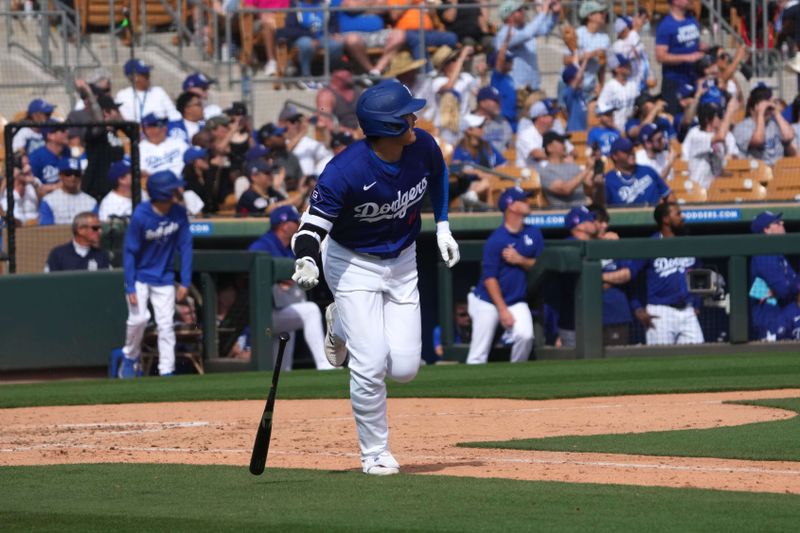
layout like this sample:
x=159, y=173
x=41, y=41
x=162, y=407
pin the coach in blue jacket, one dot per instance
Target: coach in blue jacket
x=774, y=288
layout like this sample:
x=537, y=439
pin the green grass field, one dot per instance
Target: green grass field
x=120, y=497
x=534, y=381
x=762, y=441
x=139, y=498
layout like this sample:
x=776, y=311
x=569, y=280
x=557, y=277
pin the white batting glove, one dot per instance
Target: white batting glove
x=448, y=246
x=306, y=273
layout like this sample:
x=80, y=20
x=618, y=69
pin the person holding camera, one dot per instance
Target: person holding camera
x=564, y=183
x=708, y=145
x=26, y=201
x=764, y=134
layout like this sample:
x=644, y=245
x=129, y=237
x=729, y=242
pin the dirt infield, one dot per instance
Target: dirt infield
x=321, y=434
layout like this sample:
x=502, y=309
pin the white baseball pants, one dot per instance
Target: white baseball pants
x=305, y=316
x=379, y=316
x=485, y=319
x=673, y=326
x=163, y=298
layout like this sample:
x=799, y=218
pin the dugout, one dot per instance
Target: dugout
x=83, y=314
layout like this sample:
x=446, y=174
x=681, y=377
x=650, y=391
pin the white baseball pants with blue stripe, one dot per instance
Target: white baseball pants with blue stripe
x=379, y=316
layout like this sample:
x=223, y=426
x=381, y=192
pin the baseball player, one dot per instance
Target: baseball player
x=774, y=287
x=368, y=202
x=157, y=229
x=292, y=311
x=671, y=313
x=501, y=294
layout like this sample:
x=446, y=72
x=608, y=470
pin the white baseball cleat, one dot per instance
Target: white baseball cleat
x=383, y=464
x=335, y=348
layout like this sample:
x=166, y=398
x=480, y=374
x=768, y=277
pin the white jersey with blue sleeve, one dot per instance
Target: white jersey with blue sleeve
x=376, y=205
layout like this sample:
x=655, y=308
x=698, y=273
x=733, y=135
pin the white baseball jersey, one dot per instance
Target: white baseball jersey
x=313, y=156
x=167, y=155
x=26, y=207
x=706, y=161
x=622, y=96
x=59, y=207
x=658, y=162
x=138, y=104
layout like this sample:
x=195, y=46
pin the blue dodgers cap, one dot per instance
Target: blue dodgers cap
x=256, y=152
x=258, y=165
x=712, y=95
x=489, y=93
x=569, y=73
x=621, y=144
x=69, y=165
x=543, y=107
x=52, y=125
x=577, y=215
x=647, y=131
x=118, y=169
x=511, y=195
x=617, y=60
x=686, y=90
x=151, y=119
x=136, y=66
x=40, y=106
x=198, y=79
x=193, y=153
x=285, y=213
x=270, y=130
x=763, y=220
x=492, y=60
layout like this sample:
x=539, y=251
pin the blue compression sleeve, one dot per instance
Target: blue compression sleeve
x=440, y=193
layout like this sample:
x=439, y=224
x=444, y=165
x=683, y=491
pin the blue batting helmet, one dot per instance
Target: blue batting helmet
x=381, y=109
x=161, y=185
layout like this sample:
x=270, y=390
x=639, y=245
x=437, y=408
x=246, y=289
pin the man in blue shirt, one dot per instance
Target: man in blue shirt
x=670, y=315
x=571, y=96
x=519, y=37
x=367, y=204
x=774, y=287
x=678, y=48
x=630, y=184
x=602, y=136
x=501, y=294
x=291, y=309
x=502, y=81
x=157, y=230
x=45, y=160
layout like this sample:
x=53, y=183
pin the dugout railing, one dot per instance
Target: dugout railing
x=75, y=319
x=583, y=260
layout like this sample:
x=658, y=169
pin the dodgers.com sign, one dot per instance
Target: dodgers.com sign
x=698, y=216
x=200, y=228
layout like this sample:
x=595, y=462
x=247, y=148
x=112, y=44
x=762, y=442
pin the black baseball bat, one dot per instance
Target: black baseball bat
x=261, y=446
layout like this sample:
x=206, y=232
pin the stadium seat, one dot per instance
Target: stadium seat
x=785, y=183
x=736, y=190
x=578, y=140
x=686, y=190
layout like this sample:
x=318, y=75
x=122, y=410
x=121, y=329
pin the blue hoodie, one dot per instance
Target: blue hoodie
x=150, y=245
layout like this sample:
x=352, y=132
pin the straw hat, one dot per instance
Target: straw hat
x=442, y=56
x=402, y=63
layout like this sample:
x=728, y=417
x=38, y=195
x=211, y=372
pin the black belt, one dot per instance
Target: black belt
x=681, y=305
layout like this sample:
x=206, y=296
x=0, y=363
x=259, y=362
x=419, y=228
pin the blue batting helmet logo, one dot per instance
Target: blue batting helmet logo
x=381, y=109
